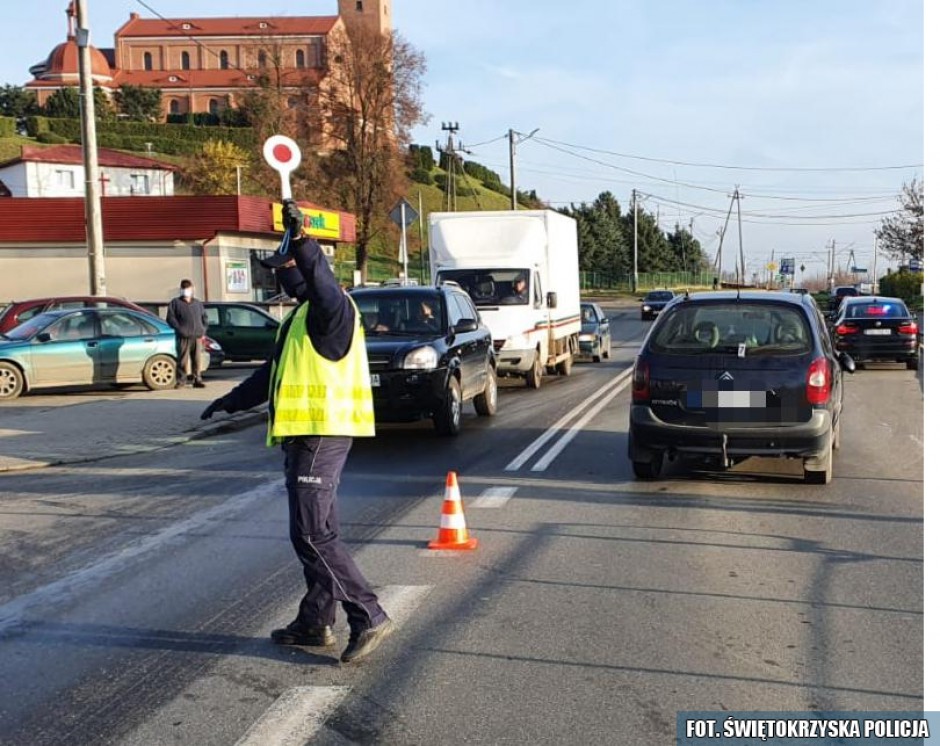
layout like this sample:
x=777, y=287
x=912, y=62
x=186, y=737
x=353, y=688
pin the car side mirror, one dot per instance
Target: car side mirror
x=465, y=325
x=44, y=337
x=552, y=298
x=847, y=363
x=604, y=320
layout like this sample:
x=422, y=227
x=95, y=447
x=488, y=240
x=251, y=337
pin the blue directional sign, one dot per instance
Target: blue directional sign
x=788, y=266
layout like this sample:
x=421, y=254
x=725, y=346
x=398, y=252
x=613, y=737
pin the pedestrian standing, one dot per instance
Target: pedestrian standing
x=319, y=398
x=188, y=318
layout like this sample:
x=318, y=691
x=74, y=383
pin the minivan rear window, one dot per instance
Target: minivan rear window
x=737, y=328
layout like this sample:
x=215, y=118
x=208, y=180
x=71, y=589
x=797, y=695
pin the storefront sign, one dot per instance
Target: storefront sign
x=317, y=223
x=236, y=277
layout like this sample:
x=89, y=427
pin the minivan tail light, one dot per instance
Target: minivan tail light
x=641, y=382
x=908, y=328
x=845, y=329
x=818, y=381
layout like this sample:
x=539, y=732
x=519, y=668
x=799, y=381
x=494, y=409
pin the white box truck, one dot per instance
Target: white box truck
x=521, y=269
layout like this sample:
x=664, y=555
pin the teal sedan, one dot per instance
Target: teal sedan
x=87, y=347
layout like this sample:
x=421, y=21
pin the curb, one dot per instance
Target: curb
x=232, y=423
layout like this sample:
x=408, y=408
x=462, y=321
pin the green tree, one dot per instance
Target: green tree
x=65, y=104
x=214, y=169
x=16, y=101
x=139, y=103
x=687, y=253
x=654, y=254
x=902, y=235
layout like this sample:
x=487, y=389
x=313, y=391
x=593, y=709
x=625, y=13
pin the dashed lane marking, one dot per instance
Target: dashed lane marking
x=295, y=716
x=494, y=497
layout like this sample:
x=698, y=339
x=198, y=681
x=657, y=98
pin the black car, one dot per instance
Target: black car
x=838, y=294
x=729, y=375
x=654, y=302
x=877, y=328
x=428, y=354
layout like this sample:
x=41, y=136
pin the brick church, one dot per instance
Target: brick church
x=202, y=65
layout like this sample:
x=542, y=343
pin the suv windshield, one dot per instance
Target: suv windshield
x=491, y=287
x=732, y=328
x=400, y=314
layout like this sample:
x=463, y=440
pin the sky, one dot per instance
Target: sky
x=814, y=111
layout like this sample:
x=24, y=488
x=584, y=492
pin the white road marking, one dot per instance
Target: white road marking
x=518, y=462
x=400, y=601
x=75, y=584
x=494, y=497
x=543, y=463
x=295, y=716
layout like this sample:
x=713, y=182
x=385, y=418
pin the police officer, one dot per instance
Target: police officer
x=319, y=398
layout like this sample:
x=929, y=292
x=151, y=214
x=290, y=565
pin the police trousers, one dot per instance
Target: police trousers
x=312, y=468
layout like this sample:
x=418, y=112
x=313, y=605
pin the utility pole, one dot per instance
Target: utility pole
x=512, y=159
x=636, y=269
x=93, y=229
x=450, y=191
x=737, y=196
x=874, y=265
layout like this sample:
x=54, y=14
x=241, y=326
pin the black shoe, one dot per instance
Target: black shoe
x=198, y=385
x=296, y=633
x=364, y=642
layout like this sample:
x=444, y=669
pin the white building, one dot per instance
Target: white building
x=58, y=171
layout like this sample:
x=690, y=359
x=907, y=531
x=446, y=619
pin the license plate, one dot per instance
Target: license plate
x=726, y=399
x=880, y=332
x=375, y=380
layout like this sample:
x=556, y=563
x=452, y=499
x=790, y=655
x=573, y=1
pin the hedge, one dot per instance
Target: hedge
x=165, y=138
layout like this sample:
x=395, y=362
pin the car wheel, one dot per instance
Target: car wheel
x=533, y=378
x=160, y=373
x=448, y=416
x=912, y=363
x=649, y=469
x=564, y=367
x=485, y=403
x=822, y=471
x=11, y=381
x=607, y=351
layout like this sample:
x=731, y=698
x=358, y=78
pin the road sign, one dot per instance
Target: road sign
x=403, y=214
x=283, y=155
x=788, y=266
x=860, y=270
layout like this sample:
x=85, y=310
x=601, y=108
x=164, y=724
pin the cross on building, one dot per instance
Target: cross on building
x=104, y=179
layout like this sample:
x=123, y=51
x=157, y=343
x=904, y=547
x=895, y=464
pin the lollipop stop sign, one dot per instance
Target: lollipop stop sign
x=283, y=155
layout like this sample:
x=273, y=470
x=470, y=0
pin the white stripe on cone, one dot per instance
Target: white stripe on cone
x=453, y=521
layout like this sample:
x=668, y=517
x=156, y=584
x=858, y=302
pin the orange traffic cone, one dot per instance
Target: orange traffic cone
x=453, y=532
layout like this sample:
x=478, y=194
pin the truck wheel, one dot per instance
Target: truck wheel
x=447, y=418
x=564, y=367
x=485, y=403
x=160, y=373
x=11, y=381
x=533, y=378
x=649, y=469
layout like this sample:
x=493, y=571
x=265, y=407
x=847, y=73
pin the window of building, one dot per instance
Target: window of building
x=187, y=26
x=263, y=24
x=65, y=178
x=140, y=184
x=148, y=61
x=223, y=60
x=184, y=61
x=174, y=106
x=359, y=5
x=300, y=58
x=262, y=59
x=213, y=106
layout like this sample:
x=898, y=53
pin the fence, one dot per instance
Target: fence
x=645, y=280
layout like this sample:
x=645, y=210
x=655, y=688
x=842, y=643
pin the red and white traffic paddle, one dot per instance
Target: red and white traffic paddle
x=283, y=155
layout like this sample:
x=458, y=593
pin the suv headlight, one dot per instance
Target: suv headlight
x=646, y=307
x=422, y=358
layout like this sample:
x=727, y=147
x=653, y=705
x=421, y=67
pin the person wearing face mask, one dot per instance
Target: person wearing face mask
x=319, y=398
x=188, y=318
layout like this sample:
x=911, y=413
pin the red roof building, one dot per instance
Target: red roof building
x=151, y=243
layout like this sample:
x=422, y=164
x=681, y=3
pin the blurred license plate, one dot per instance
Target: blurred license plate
x=726, y=399
x=375, y=380
x=877, y=331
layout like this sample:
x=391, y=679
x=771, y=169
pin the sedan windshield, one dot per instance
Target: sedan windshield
x=660, y=296
x=736, y=328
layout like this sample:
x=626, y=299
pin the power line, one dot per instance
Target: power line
x=735, y=168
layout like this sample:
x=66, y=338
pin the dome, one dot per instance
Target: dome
x=62, y=63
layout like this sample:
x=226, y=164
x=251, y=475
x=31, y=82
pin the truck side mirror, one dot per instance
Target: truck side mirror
x=552, y=298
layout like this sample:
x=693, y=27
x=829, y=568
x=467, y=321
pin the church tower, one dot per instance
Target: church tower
x=376, y=14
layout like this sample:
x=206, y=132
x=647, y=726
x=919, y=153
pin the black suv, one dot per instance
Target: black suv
x=730, y=375
x=877, y=328
x=428, y=354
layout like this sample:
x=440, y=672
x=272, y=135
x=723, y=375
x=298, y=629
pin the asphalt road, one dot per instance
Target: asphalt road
x=137, y=593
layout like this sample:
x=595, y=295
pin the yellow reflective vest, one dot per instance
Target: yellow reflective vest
x=312, y=395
